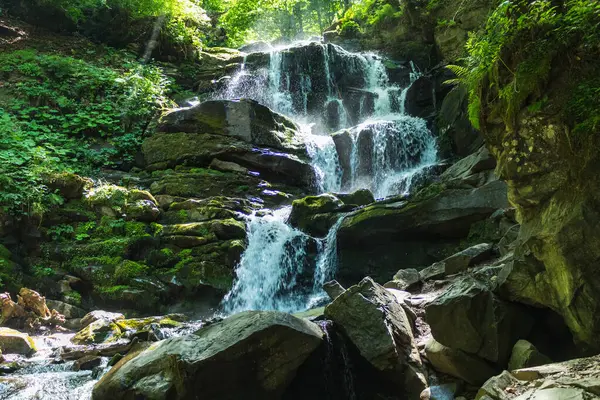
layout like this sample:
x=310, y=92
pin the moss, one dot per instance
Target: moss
x=128, y=270
x=72, y=297
x=4, y=253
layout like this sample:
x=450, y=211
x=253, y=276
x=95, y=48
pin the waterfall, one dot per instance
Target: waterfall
x=324, y=88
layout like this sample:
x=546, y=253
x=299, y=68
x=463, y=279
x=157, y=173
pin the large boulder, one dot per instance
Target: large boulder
x=525, y=355
x=458, y=262
x=315, y=215
x=376, y=323
x=468, y=316
x=241, y=131
x=254, y=354
x=414, y=233
x=15, y=342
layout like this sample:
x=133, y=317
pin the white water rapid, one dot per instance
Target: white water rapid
x=324, y=89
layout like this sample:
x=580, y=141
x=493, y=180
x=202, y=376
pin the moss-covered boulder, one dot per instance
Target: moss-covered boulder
x=258, y=351
x=315, y=214
x=414, y=233
x=117, y=201
x=243, y=132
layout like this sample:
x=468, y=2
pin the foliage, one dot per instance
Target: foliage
x=65, y=114
x=512, y=58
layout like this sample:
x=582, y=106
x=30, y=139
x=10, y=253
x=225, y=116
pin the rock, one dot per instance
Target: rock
x=361, y=197
x=143, y=210
x=468, y=316
x=255, y=47
x=333, y=289
x=440, y=392
x=457, y=363
x=243, y=119
x=258, y=352
x=376, y=323
x=32, y=300
x=420, y=100
x=227, y=166
x=75, y=352
x=524, y=355
x=68, y=310
x=10, y=309
x=404, y=279
x=99, y=331
x=458, y=262
x=496, y=387
x=376, y=239
x=315, y=215
x=69, y=185
x=468, y=170
x=15, y=342
x=87, y=363
x=97, y=315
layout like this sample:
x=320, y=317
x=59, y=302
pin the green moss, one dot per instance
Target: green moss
x=128, y=270
x=72, y=297
x=5, y=253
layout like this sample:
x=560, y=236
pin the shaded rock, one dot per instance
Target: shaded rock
x=404, y=279
x=68, y=310
x=69, y=185
x=420, y=100
x=465, y=168
x=495, y=387
x=524, y=355
x=376, y=323
x=258, y=352
x=458, y=262
x=333, y=289
x=87, y=363
x=468, y=316
x=378, y=238
x=457, y=363
x=15, y=342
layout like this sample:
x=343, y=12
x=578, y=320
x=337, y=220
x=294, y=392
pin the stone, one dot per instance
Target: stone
x=376, y=323
x=464, y=170
x=68, y=310
x=333, y=289
x=99, y=331
x=69, y=185
x=404, y=279
x=96, y=315
x=458, y=262
x=32, y=300
x=315, y=215
x=495, y=387
x=15, y=342
x=258, y=351
x=525, y=354
x=420, y=101
x=457, y=363
x=376, y=239
x=226, y=166
x=361, y=197
x=256, y=47
x=468, y=316
x=87, y=363
x=440, y=392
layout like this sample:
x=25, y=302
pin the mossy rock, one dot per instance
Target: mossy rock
x=69, y=185
x=99, y=331
x=315, y=214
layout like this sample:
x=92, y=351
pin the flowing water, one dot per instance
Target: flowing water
x=324, y=89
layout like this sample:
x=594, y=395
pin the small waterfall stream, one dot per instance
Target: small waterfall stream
x=324, y=89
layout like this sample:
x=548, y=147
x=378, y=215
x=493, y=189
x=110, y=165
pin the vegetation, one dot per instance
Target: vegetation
x=511, y=60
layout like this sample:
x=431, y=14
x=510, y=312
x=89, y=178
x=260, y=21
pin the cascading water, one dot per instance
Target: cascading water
x=324, y=89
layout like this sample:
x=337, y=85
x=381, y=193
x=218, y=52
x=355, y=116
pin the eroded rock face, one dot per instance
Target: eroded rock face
x=555, y=193
x=257, y=352
x=376, y=323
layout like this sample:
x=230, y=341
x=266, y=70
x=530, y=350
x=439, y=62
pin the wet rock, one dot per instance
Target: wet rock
x=468, y=171
x=258, y=352
x=376, y=239
x=525, y=354
x=376, y=323
x=15, y=342
x=87, y=363
x=75, y=352
x=440, y=392
x=315, y=215
x=468, y=316
x=333, y=289
x=404, y=279
x=98, y=331
x=457, y=363
x=420, y=101
x=256, y=47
